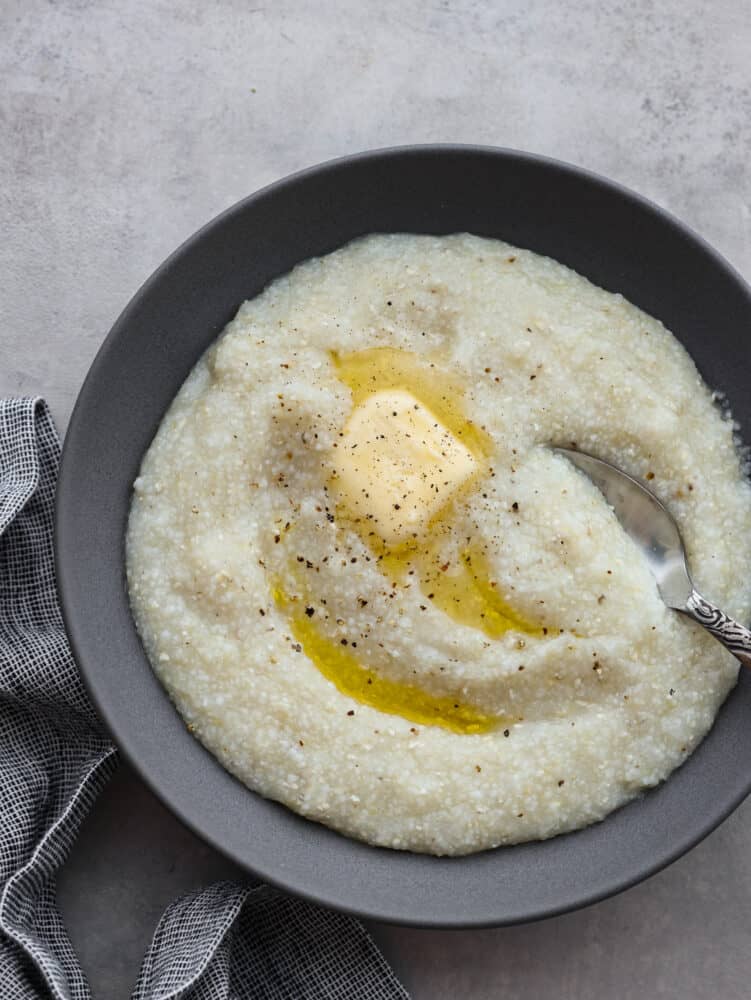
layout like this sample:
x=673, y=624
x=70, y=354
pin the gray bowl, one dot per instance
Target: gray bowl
x=612, y=236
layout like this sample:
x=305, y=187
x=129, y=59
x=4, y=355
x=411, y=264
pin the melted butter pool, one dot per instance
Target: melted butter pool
x=339, y=665
x=466, y=592
x=381, y=368
x=463, y=589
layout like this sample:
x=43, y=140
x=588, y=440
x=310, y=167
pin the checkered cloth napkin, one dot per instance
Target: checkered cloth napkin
x=227, y=942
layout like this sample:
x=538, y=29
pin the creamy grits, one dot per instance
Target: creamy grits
x=377, y=595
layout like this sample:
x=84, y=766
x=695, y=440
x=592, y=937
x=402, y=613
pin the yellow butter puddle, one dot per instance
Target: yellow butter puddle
x=376, y=369
x=467, y=594
x=339, y=665
x=463, y=590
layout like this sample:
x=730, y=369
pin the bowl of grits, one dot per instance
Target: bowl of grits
x=339, y=600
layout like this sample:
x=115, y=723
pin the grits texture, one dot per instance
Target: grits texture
x=232, y=502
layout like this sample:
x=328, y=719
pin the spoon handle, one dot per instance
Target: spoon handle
x=732, y=635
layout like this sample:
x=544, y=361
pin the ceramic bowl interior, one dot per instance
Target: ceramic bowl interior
x=612, y=236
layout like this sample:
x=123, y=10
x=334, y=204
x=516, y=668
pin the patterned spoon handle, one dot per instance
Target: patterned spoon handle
x=732, y=635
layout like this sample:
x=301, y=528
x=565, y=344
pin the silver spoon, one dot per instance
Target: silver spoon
x=653, y=529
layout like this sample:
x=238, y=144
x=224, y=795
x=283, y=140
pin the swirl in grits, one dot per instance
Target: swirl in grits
x=376, y=594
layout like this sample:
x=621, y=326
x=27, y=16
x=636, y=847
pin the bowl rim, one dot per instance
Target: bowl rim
x=66, y=492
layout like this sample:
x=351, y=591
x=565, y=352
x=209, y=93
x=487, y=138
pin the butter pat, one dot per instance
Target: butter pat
x=396, y=465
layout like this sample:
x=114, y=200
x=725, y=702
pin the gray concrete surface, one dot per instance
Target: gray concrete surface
x=124, y=126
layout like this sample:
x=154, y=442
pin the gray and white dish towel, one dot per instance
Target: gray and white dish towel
x=230, y=941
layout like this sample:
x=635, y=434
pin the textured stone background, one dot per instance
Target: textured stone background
x=124, y=126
